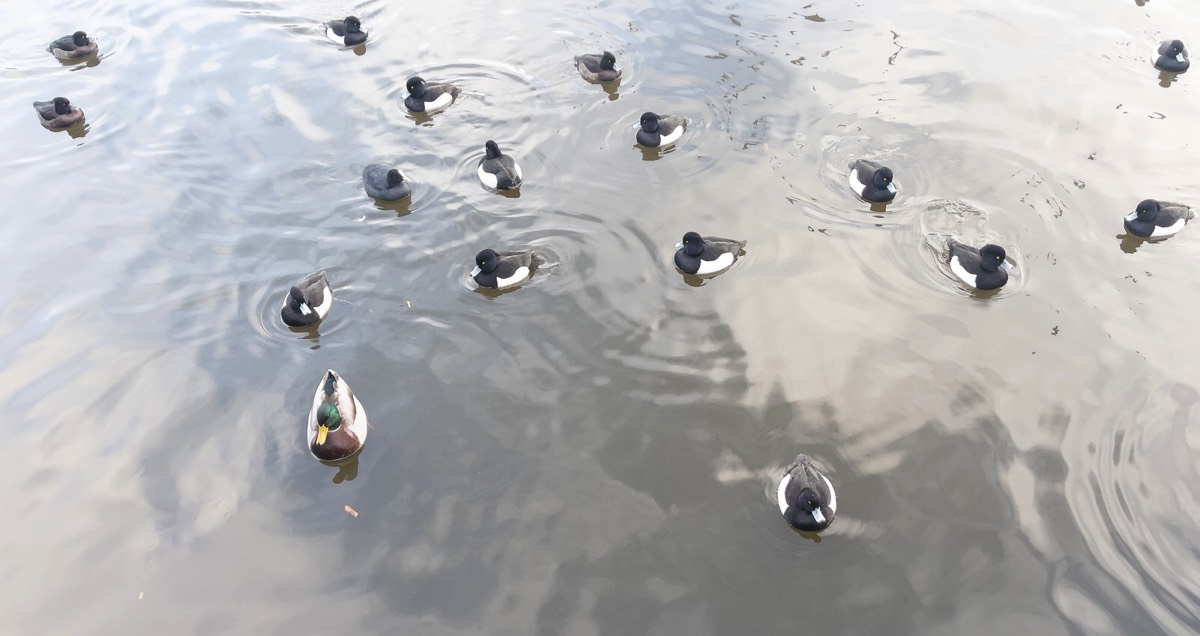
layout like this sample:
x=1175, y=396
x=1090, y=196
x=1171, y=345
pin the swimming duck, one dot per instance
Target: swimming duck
x=658, y=131
x=428, y=98
x=308, y=303
x=706, y=255
x=498, y=171
x=806, y=497
x=349, y=29
x=385, y=182
x=72, y=46
x=598, y=68
x=58, y=114
x=1157, y=219
x=1172, y=57
x=500, y=270
x=337, y=424
x=872, y=182
x=982, y=268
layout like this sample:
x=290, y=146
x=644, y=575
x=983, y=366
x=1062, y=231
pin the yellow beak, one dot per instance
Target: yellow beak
x=322, y=433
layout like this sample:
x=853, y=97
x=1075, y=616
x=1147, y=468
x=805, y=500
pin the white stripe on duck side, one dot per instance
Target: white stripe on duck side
x=488, y=179
x=961, y=272
x=720, y=264
x=323, y=309
x=441, y=102
x=671, y=138
x=518, y=277
x=781, y=494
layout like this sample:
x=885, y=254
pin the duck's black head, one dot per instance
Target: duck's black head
x=1176, y=47
x=80, y=38
x=607, y=61
x=353, y=25
x=296, y=298
x=415, y=86
x=883, y=177
x=809, y=500
x=693, y=244
x=62, y=105
x=991, y=256
x=649, y=122
x=1147, y=210
x=491, y=150
x=394, y=178
x=487, y=260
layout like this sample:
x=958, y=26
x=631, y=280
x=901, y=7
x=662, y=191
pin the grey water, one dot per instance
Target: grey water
x=596, y=452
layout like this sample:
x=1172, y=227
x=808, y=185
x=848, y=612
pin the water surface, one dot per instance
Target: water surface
x=596, y=452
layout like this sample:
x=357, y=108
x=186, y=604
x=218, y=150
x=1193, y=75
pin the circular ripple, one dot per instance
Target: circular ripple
x=268, y=324
x=1140, y=505
x=920, y=251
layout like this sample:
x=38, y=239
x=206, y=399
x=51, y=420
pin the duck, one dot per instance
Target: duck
x=598, y=68
x=660, y=130
x=1171, y=56
x=1157, y=219
x=501, y=270
x=872, y=182
x=428, y=98
x=706, y=255
x=498, y=171
x=307, y=303
x=349, y=29
x=69, y=47
x=806, y=497
x=982, y=268
x=384, y=182
x=58, y=114
x=337, y=423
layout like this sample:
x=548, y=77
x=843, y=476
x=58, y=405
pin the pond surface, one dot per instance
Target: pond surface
x=596, y=452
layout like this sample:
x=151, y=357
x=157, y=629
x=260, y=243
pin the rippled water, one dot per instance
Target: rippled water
x=596, y=452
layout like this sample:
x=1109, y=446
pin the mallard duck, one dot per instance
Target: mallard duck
x=598, y=68
x=72, y=46
x=337, y=424
x=349, y=29
x=660, y=130
x=707, y=255
x=428, y=98
x=500, y=270
x=982, y=268
x=385, y=183
x=307, y=303
x=58, y=114
x=1157, y=219
x=498, y=171
x=872, y=182
x=806, y=497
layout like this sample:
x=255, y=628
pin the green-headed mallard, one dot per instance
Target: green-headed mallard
x=337, y=424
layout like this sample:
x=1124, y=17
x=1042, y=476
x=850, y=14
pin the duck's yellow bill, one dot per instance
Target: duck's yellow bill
x=322, y=433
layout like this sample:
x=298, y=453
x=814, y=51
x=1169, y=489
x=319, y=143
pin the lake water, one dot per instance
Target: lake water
x=597, y=451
